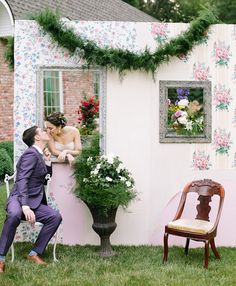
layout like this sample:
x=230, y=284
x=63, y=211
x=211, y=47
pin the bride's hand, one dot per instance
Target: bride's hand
x=62, y=155
x=71, y=159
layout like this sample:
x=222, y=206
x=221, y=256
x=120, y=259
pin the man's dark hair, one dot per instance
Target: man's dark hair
x=28, y=135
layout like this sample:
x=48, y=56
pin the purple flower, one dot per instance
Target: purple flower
x=183, y=93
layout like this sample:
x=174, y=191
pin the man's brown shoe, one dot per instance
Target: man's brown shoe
x=36, y=259
x=2, y=266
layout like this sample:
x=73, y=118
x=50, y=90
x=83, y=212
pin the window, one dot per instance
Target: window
x=52, y=92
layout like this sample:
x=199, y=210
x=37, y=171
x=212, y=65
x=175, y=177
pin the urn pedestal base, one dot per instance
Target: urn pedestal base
x=104, y=225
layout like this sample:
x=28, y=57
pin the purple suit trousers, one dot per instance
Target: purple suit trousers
x=28, y=190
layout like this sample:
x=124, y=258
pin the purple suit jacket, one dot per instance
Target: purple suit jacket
x=30, y=178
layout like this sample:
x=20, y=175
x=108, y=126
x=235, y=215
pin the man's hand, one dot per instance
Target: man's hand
x=46, y=154
x=29, y=214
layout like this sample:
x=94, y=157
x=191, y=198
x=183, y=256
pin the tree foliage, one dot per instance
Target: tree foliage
x=185, y=10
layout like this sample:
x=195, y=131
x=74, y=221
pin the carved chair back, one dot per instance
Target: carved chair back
x=205, y=189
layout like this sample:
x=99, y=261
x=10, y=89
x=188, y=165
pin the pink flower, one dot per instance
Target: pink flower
x=200, y=160
x=201, y=74
x=159, y=29
x=178, y=113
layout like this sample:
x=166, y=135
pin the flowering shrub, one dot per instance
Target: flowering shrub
x=88, y=112
x=184, y=116
x=201, y=161
x=107, y=171
x=103, y=181
x=222, y=141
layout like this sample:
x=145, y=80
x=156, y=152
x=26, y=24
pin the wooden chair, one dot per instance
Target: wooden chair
x=200, y=228
x=7, y=181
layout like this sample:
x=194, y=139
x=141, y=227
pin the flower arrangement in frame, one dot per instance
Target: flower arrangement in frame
x=185, y=111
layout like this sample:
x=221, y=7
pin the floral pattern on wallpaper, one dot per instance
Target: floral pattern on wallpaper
x=107, y=34
x=201, y=71
x=234, y=73
x=160, y=32
x=221, y=53
x=184, y=58
x=222, y=141
x=234, y=118
x=221, y=97
x=201, y=160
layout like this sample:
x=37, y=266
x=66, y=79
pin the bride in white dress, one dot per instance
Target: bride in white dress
x=65, y=140
x=64, y=144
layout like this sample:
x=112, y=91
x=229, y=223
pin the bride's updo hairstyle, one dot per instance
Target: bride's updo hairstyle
x=57, y=118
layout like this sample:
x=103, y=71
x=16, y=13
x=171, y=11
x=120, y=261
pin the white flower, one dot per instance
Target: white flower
x=189, y=125
x=183, y=103
x=90, y=159
x=128, y=184
x=199, y=120
x=123, y=179
x=182, y=120
x=108, y=179
x=94, y=172
x=119, y=168
x=98, y=166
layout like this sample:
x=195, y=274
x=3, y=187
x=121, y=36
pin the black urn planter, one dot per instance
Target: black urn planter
x=104, y=225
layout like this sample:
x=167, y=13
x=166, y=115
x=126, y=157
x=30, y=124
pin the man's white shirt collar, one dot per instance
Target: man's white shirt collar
x=38, y=149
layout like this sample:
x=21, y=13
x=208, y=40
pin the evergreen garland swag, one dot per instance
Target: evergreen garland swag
x=119, y=59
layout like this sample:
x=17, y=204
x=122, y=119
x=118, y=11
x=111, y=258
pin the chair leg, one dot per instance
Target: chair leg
x=206, y=254
x=186, y=246
x=54, y=248
x=213, y=247
x=165, y=256
x=12, y=253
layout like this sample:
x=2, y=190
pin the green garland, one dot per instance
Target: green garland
x=119, y=59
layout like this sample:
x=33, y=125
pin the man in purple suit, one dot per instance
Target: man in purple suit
x=28, y=200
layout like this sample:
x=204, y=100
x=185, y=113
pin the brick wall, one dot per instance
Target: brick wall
x=76, y=84
x=6, y=97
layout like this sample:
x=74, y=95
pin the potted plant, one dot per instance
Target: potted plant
x=103, y=184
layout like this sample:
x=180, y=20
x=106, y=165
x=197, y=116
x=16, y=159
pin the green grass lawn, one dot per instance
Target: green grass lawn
x=142, y=265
